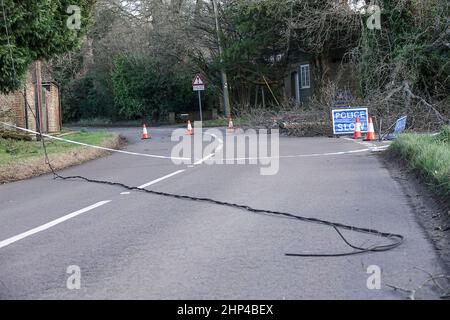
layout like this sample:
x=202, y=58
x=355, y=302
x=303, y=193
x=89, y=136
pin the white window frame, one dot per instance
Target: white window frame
x=305, y=76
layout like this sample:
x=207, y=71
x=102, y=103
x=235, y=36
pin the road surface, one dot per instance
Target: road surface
x=132, y=245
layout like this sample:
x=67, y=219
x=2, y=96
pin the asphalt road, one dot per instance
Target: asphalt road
x=141, y=246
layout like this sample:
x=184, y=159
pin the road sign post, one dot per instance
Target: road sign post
x=200, y=105
x=199, y=85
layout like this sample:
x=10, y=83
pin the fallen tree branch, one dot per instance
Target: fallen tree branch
x=408, y=91
x=431, y=278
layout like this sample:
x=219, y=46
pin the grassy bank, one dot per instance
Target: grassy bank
x=429, y=155
x=25, y=159
x=13, y=151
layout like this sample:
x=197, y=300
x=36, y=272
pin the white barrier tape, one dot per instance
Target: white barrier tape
x=93, y=146
x=301, y=155
x=221, y=160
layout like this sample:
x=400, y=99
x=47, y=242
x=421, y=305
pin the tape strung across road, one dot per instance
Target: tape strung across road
x=93, y=146
x=204, y=159
x=369, y=148
x=302, y=155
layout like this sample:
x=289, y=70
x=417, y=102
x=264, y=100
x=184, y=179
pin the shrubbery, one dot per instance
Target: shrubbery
x=135, y=89
x=429, y=155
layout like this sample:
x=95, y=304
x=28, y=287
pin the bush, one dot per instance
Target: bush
x=444, y=135
x=429, y=155
x=144, y=88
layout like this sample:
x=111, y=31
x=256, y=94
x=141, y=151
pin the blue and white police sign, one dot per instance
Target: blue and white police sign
x=344, y=120
x=400, y=125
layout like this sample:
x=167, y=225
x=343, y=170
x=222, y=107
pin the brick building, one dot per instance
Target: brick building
x=37, y=104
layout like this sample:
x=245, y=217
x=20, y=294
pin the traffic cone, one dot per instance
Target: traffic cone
x=145, y=134
x=230, y=126
x=370, y=136
x=357, y=133
x=189, y=128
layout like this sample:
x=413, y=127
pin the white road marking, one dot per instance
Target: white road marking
x=361, y=142
x=124, y=193
x=372, y=146
x=204, y=159
x=367, y=149
x=212, y=154
x=161, y=179
x=93, y=146
x=50, y=224
x=189, y=166
x=220, y=140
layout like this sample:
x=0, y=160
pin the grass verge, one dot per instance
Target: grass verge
x=429, y=155
x=25, y=159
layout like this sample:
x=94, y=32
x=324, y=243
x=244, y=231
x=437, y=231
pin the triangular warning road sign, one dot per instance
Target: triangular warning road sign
x=198, y=81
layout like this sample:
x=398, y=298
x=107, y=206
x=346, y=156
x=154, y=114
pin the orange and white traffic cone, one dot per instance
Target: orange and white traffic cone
x=230, y=126
x=145, y=134
x=370, y=136
x=357, y=132
x=189, y=130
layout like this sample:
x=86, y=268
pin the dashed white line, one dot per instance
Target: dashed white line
x=204, y=159
x=180, y=171
x=212, y=154
x=161, y=179
x=50, y=224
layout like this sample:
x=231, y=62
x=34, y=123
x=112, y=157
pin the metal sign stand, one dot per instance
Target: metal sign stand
x=200, y=105
x=199, y=85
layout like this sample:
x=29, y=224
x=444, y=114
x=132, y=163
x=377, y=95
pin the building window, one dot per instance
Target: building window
x=305, y=76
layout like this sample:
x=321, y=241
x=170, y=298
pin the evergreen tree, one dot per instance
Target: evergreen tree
x=37, y=29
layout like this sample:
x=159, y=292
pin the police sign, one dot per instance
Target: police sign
x=400, y=125
x=344, y=120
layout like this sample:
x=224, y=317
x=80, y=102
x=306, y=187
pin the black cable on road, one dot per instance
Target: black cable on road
x=395, y=239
